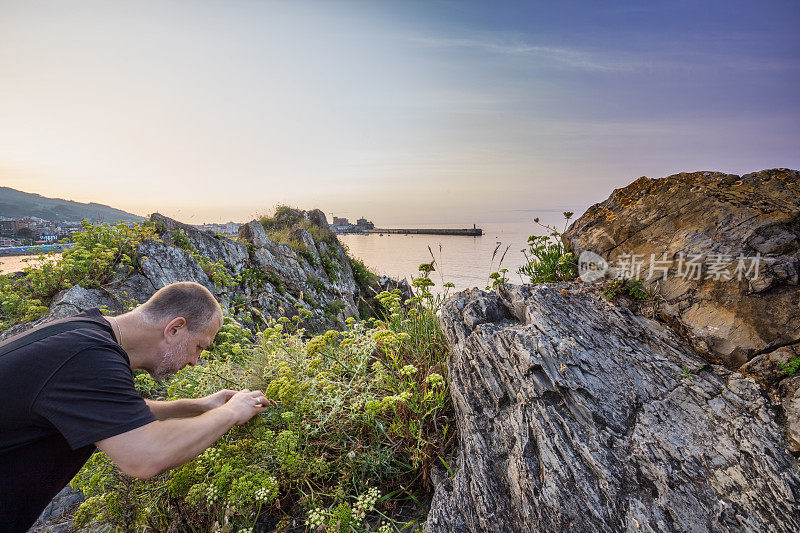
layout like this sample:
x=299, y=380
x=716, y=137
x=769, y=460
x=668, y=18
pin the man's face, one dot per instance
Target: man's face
x=185, y=351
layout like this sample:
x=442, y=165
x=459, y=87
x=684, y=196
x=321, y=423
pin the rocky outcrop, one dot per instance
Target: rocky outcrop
x=744, y=313
x=577, y=415
x=254, y=278
x=713, y=218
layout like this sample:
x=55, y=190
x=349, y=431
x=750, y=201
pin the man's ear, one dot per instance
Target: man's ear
x=174, y=328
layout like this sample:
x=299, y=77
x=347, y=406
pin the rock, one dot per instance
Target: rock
x=303, y=271
x=253, y=232
x=750, y=325
x=218, y=248
x=577, y=415
x=790, y=401
x=389, y=284
x=55, y=517
x=768, y=367
x=162, y=264
x=68, y=303
x=715, y=218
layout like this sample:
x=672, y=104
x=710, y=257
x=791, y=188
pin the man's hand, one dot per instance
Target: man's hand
x=218, y=399
x=245, y=404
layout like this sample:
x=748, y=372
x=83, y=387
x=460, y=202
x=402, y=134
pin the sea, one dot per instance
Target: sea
x=15, y=263
x=465, y=262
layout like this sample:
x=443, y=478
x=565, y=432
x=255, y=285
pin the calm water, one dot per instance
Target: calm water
x=14, y=263
x=464, y=261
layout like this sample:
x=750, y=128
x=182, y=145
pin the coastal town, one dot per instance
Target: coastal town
x=32, y=234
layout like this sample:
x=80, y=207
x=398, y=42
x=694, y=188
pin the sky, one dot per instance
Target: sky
x=440, y=112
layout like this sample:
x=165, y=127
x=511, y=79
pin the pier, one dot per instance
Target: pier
x=467, y=232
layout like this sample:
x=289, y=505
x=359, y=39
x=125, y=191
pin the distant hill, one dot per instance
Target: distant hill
x=16, y=204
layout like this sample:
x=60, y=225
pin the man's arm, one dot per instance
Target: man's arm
x=164, y=444
x=188, y=407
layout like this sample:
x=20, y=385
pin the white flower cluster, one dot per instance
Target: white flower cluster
x=263, y=494
x=435, y=379
x=213, y=494
x=315, y=518
x=245, y=530
x=366, y=502
x=212, y=455
x=408, y=370
x=385, y=528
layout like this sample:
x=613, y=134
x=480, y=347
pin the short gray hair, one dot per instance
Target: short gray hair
x=186, y=299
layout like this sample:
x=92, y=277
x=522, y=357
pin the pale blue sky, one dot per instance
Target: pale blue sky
x=439, y=112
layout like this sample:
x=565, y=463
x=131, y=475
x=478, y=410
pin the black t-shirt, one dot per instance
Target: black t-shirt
x=58, y=396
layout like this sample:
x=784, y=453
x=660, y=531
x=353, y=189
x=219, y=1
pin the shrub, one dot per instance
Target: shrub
x=287, y=220
x=99, y=253
x=547, y=258
x=362, y=415
x=362, y=275
x=632, y=287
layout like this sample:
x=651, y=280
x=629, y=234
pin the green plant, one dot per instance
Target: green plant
x=317, y=284
x=307, y=298
x=334, y=308
x=632, y=287
x=362, y=275
x=99, y=253
x=215, y=270
x=276, y=282
x=497, y=278
x=790, y=368
x=362, y=415
x=181, y=240
x=253, y=277
x=282, y=226
x=547, y=258
x=330, y=266
x=688, y=372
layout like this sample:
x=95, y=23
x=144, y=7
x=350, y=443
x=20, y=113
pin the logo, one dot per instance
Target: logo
x=591, y=266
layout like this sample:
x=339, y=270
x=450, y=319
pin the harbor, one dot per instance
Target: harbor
x=468, y=232
x=342, y=226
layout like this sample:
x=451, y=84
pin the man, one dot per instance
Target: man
x=64, y=394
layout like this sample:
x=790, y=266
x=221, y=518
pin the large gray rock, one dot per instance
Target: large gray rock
x=302, y=274
x=232, y=253
x=577, y=415
x=68, y=303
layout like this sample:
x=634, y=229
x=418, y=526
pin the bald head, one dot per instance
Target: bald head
x=184, y=299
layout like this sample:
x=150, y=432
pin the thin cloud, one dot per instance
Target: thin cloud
x=672, y=57
x=564, y=56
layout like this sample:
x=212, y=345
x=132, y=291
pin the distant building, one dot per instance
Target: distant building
x=337, y=221
x=229, y=228
x=363, y=223
x=8, y=228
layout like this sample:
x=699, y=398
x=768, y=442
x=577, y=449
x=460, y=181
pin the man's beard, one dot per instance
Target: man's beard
x=174, y=359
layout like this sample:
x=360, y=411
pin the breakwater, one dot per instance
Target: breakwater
x=469, y=232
